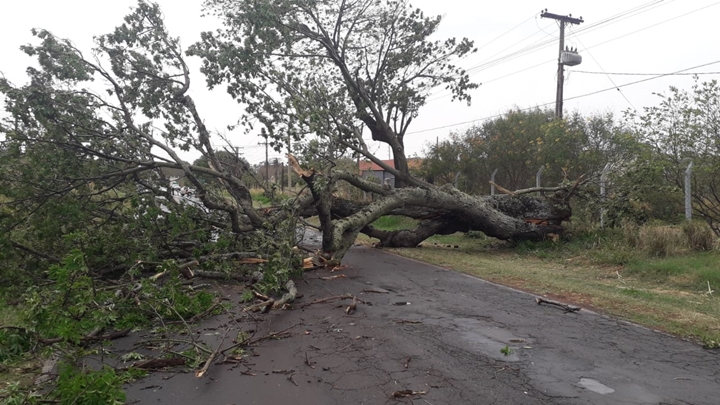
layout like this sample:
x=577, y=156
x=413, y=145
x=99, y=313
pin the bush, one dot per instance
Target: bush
x=699, y=236
x=631, y=233
x=661, y=240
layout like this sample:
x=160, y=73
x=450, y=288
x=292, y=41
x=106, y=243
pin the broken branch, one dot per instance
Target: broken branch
x=212, y=357
x=566, y=307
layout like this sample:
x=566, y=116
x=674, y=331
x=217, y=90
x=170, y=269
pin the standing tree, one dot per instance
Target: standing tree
x=685, y=127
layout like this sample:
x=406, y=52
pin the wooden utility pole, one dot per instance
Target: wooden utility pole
x=267, y=162
x=564, y=19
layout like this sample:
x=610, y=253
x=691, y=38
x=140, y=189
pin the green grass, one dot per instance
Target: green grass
x=689, y=272
x=394, y=222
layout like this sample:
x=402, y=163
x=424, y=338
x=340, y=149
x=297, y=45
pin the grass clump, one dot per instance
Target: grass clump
x=661, y=241
x=699, y=236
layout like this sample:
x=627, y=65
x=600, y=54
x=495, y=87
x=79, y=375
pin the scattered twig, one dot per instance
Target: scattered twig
x=351, y=308
x=219, y=275
x=91, y=337
x=407, y=393
x=260, y=295
x=336, y=297
x=249, y=341
x=212, y=357
x=566, y=307
x=307, y=361
x=290, y=378
x=333, y=277
x=376, y=290
x=184, y=269
x=201, y=315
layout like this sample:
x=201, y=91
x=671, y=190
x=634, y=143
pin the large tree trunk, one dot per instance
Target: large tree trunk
x=442, y=210
x=504, y=217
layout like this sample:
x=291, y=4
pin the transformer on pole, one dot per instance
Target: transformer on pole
x=566, y=56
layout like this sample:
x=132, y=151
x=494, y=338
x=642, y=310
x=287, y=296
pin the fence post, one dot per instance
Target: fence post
x=603, y=194
x=538, y=176
x=492, y=185
x=688, y=195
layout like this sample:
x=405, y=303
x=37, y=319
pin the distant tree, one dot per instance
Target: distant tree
x=685, y=127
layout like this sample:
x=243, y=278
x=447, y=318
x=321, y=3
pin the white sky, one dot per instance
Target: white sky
x=660, y=36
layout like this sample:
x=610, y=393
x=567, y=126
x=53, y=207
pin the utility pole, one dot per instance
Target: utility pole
x=267, y=162
x=563, y=19
x=289, y=179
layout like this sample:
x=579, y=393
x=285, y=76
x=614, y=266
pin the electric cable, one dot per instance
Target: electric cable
x=568, y=98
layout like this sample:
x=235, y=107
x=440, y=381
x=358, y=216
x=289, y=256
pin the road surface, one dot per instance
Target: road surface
x=442, y=338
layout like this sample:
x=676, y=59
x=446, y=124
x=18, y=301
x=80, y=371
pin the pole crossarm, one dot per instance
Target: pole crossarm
x=565, y=18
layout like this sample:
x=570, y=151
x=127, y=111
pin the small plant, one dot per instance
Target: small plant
x=711, y=344
x=13, y=343
x=84, y=387
x=506, y=350
x=247, y=296
x=475, y=235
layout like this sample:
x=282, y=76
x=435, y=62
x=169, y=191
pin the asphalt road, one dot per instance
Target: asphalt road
x=439, y=334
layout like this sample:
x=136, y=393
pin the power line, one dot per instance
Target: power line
x=646, y=74
x=543, y=45
x=569, y=98
x=601, y=68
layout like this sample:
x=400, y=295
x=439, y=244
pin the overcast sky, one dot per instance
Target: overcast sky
x=516, y=62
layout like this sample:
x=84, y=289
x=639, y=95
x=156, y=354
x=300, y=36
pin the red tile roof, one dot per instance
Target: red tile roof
x=367, y=165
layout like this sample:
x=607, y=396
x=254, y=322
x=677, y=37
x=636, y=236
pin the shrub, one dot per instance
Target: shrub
x=631, y=233
x=661, y=240
x=699, y=236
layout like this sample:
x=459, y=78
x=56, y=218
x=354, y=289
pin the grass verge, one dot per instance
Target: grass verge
x=595, y=269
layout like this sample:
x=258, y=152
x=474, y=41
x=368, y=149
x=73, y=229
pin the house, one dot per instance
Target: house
x=368, y=169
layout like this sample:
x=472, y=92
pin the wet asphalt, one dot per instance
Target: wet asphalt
x=422, y=334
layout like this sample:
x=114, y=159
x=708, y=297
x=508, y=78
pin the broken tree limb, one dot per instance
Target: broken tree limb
x=336, y=297
x=502, y=189
x=91, y=337
x=261, y=306
x=212, y=357
x=154, y=364
x=566, y=307
x=352, y=307
x=219, y=275
x=184, y=269
x=287, y=297
x=297, y=168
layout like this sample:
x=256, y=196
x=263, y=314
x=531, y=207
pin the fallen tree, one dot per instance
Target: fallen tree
x=96, y=141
